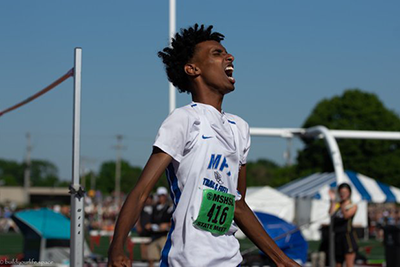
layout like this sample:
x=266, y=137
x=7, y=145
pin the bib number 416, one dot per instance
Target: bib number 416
x=217, y=210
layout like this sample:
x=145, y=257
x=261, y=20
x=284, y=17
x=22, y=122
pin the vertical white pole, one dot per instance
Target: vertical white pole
x=172, y=29
x=77, y=196
x=333, y=149
x=27, y=172
x=339, y=172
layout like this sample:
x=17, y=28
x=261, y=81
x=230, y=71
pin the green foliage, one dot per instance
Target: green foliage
x=63, y=183
x=260, y=173
x=284, y=175
x=354, y=110
x=106, y=179
x=9, y=180
x=265, y=172
x=43, y=173
x=11, y=172
x=129, y=176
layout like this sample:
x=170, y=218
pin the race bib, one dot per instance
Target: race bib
x=216, y=212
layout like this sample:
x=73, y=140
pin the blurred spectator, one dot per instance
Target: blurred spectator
x=159, y=225
x=145, y=218
x=391, y=218
x=57, y=208
x=6, y=224
x=342, y=212
x=397, y=218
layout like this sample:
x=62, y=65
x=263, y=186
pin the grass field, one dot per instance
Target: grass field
x=11, y=244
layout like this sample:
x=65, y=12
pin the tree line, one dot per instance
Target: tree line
x=353, y=110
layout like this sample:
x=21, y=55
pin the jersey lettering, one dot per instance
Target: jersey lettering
x=223, y=165
x=214, y=161
x=208, y=183
x=217, y=187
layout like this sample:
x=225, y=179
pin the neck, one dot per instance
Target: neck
x=208, y=97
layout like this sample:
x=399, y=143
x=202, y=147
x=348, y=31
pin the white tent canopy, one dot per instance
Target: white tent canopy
x=269, y=200
x=364, y=188
x=316, y=186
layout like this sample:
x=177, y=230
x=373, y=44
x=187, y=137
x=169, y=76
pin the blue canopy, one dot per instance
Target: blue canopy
x=46, y=223
x=288, y=238
x=317, y=186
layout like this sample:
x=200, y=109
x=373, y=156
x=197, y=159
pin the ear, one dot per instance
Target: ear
x=191, y=69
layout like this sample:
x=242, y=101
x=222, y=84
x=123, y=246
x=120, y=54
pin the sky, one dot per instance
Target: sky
x=289, y=55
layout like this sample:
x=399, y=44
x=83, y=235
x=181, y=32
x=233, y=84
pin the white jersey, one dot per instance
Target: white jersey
x=208, y=147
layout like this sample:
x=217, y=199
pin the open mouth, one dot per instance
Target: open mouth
x=229, y=72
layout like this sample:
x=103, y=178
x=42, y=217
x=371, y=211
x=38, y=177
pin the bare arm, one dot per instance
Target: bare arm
x=249, y=224
x=332, y=197
x=133, y=205
x=348, y=210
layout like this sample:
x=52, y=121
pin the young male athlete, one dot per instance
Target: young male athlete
x=203, y=150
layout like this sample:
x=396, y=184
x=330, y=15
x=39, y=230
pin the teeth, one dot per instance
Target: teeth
x=229, y=68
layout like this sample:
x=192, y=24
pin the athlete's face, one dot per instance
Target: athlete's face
x=215, y=66
x=344, y=193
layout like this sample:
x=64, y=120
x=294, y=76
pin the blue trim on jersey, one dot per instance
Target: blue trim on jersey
x=390, y=197
x=360, y=187
x=167, y=247
x=173, y=184
x=231, y=122
x=193, y=105
x=175, y=195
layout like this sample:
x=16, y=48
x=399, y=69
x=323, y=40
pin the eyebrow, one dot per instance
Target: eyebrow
x=218, y=49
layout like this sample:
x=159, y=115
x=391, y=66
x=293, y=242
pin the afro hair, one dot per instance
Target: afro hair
x=181, y=52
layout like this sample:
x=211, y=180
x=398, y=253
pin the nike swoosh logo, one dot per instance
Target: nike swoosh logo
x=206, y=137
